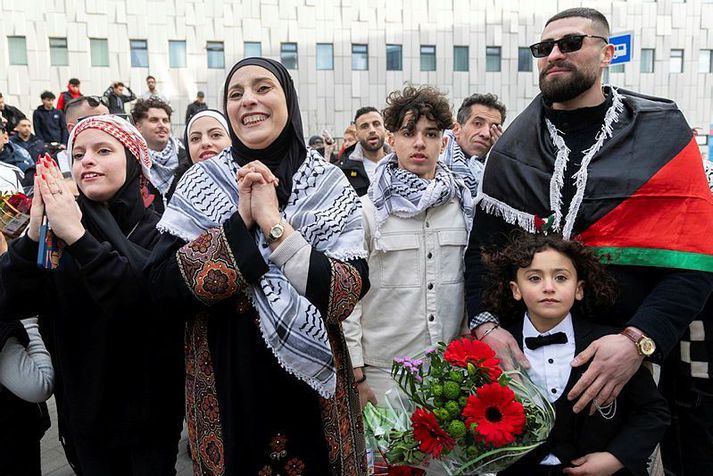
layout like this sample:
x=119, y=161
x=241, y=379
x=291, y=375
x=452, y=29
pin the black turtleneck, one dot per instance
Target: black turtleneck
x=579, y=128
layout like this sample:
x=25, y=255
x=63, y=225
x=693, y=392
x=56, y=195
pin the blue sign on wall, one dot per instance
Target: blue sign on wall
x=622, y=47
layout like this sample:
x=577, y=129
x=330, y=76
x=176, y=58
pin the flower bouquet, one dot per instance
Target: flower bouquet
x=14, y=214
x=457, y=413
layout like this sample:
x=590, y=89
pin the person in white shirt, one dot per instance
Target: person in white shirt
x=152, y=91
x=546, y=289
x=416, y=221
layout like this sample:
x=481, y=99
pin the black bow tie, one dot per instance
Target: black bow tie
x=533, y=343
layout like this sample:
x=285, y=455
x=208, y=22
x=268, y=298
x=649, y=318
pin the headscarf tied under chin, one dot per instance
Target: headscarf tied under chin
x=115, y=220
x=285, y=155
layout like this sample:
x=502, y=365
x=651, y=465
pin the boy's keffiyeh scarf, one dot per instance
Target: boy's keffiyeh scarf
x=323, y=208
x=641, y=194
x=164, y=165
x=470, y=169
x=396, y=191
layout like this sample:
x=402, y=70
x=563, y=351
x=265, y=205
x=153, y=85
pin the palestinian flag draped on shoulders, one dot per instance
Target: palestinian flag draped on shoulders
x=641, y=198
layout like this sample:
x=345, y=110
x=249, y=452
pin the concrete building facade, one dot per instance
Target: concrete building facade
x=343, y=54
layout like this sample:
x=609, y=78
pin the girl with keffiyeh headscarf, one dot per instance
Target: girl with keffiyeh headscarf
x=264, y=244
x=118, y=366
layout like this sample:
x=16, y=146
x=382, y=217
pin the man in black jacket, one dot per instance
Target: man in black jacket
x=27, y=140
x=9, y=115
x=116, y=97
x=359, y=161
x=196, y=106
x=49, y=122
x=571, y=164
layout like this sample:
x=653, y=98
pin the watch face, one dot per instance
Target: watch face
x=647, y=346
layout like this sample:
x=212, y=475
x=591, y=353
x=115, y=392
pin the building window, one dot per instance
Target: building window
x=252, y=49
x=360, y=57
x=58, y=52
x=460, y=58
x=176, y=53
x=99, y=51
x=216, y=54
x=325, y=56
x=617, y=68
x=705, y=61
x=676, y=64
x=428, y=57
x=647, y=60
x=17, y=47
x=394, y=58
x=492, y=59
x=288, y=55
x=524, y=59
x=139, y=53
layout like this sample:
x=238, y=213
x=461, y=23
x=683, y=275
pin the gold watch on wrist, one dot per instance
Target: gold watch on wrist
x=276, y=232
x=644, y=345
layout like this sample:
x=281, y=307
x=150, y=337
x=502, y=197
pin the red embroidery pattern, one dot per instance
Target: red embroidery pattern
x=341, y=415
x=202, y=410
x=209, y=268
x=344, y=291
x=294, y=467
x=278, y=454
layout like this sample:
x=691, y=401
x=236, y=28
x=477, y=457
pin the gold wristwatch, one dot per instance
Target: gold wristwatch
x=644, y=345
x=276, y=232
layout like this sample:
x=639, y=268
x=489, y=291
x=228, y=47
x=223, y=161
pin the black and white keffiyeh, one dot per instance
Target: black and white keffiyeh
x=164, y=165
x=323, y=208
x=396, y=191
x=470, y=169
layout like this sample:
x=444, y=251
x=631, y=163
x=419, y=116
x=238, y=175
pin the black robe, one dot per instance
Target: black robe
x=117, y=358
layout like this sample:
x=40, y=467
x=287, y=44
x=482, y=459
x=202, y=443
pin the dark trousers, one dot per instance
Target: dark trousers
x=20, y=458
x=687, y=448
x=150, y=458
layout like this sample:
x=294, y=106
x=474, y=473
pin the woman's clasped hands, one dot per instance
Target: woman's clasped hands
x=53, y=197
x=257, y=202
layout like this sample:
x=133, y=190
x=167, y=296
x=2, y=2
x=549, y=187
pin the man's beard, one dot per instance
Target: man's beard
x=371, y=148
x=562, y=89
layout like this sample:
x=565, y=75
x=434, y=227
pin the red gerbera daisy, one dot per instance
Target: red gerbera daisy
x=466, y=350
x=426, y=431
x=499, y=417
x=405, y=471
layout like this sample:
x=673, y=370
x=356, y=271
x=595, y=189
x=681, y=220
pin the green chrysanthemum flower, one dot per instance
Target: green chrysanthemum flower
x=462, y=400
x=455, y=376
x=456, y=429
x=472, y=451
x=437, y=390
x=451, y=390
x=453, y=409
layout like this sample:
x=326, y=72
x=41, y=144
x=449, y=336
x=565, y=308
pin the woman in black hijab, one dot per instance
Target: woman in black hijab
x=118, y=365
x=269, y=265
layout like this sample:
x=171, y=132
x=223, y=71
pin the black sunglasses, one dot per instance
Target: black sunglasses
x=567, y=44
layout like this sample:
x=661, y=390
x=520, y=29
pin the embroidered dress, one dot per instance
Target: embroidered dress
x=269, y=381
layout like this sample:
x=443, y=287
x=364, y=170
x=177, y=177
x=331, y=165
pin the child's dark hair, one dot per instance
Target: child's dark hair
x=419, y=101
x=600, y=290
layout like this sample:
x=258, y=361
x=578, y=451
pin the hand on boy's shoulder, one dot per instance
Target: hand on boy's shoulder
x=594, y=464
x=614, y=360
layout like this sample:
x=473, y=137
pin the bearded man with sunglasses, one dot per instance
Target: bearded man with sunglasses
x=622, y=173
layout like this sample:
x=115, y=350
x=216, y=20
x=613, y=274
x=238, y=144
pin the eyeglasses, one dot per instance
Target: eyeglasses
x=93, y=101
x=567, y=44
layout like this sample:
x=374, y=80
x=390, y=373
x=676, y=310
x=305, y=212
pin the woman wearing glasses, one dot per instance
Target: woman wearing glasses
x=264, y=244
x=119, y=366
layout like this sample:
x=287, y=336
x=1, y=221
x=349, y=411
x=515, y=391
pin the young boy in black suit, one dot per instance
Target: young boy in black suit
x=544, y=288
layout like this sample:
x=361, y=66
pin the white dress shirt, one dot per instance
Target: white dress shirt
x=550, y=364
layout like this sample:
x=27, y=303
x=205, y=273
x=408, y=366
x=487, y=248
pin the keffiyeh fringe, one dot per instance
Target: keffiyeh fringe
x=323, y=208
